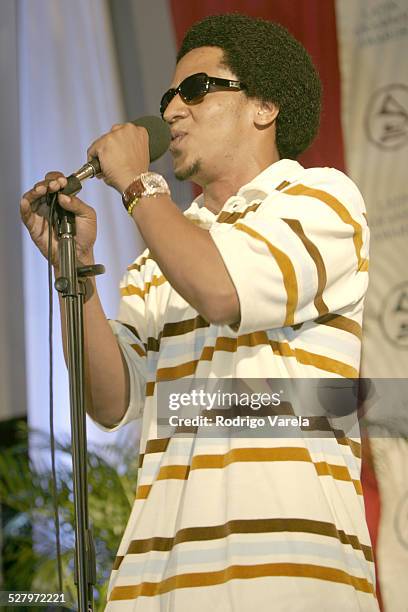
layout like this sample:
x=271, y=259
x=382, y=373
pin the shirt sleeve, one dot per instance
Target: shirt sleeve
x=302, y=254
x=130, y=330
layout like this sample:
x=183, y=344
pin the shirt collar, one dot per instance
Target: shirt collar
x=260, y=186
x=272, y=177
x=198, y=213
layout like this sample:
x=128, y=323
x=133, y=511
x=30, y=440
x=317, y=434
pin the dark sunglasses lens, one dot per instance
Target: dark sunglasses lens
x=166, y=99
x=194, y=87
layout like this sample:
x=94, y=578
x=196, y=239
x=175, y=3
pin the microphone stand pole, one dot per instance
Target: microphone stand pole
x=71, y=286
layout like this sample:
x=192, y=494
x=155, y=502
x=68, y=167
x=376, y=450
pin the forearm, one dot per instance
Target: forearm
x=188, y=259
x=105, y=372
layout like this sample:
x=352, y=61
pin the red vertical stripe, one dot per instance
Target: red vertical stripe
x=371, y=500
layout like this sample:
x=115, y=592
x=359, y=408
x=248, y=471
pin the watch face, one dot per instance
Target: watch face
x=154, y=183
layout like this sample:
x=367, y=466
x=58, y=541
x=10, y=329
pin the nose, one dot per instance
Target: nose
x=176, y=109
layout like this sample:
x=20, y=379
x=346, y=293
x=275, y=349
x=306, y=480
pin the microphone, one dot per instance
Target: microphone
x=159, y=142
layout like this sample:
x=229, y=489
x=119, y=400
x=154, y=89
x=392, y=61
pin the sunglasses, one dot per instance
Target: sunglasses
x=197, y=86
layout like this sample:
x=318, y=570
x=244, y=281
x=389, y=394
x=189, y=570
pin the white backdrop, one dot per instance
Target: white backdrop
x=71, y=68
x=70, y=94
x=373, y=37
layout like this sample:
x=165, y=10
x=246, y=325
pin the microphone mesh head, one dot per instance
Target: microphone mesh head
x=159, y=135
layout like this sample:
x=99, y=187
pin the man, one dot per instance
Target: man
x=264, y=276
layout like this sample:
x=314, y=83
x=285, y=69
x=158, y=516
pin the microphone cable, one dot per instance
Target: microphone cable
x=51, y=201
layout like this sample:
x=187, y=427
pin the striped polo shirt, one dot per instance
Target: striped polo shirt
x=231, y=523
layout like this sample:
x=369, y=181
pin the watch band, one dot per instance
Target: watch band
x=132, y=192
x=132, y=205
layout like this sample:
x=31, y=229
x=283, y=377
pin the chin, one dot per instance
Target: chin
x=187, y=172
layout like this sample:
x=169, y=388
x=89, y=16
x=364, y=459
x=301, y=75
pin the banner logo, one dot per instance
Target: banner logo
x=394, y=317
x=386, y=120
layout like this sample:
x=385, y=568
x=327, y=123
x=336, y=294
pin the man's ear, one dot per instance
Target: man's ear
x=265, y=113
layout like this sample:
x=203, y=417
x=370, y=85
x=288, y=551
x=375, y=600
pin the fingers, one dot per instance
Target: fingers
x=32, y=200
x=54, y=181
x=53, y=174
x=33, y=203
x=76, y=206
x=94, y=147
x=92, y=150
x=25, y=212
x=104, y=141
x=30, y=217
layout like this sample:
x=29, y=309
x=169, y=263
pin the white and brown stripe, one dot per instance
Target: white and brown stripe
x=252, y=513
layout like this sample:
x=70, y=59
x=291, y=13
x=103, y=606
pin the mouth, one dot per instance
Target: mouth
x=176, y=138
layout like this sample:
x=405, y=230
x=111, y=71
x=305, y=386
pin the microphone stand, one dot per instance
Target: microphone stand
x=71, y=286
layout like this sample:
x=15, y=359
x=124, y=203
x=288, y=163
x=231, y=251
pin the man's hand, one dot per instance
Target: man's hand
x=34, y=213
x=106, y=377
x=123, y=154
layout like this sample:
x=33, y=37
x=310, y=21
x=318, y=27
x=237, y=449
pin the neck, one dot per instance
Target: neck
x=217, y=191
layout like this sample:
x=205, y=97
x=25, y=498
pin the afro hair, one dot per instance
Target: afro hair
x=274, y=67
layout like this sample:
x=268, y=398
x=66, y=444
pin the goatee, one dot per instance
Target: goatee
x=183, y=175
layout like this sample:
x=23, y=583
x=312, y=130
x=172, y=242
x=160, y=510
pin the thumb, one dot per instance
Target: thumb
x=76, y=206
